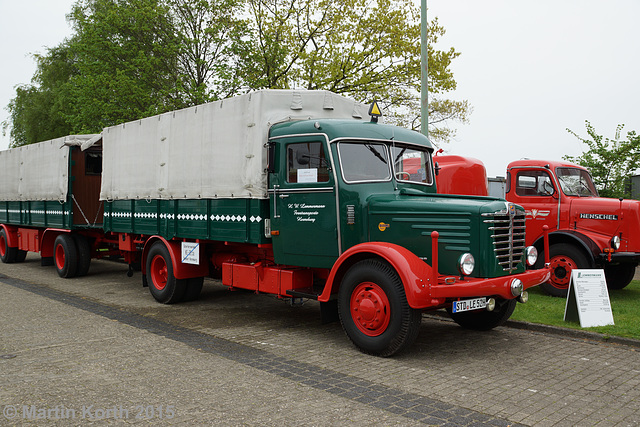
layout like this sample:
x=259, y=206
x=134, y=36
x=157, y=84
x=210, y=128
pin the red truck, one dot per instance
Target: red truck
x=586, y=231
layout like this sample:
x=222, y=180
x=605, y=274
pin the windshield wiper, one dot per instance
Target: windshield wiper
x=375, y=153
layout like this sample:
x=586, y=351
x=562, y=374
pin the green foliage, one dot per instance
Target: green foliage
x=610, y=161
x=366, y=49
x=129, y=59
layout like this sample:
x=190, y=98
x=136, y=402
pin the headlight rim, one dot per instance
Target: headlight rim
x=466, y=259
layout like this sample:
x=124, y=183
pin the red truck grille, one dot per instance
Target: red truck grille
x=508, y=233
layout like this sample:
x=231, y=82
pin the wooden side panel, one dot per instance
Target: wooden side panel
x=86, y=168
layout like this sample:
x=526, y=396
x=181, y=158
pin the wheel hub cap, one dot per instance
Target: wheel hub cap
x=370, y=309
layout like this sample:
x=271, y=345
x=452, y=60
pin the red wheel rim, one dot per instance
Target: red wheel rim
x=60, y=257
x=3, y=245
x=561, y=266
x=370, y=309
x=159, y=272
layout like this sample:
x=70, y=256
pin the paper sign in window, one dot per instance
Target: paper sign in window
x=307, y=175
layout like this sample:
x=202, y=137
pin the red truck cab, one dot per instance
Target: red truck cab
x=586, y=231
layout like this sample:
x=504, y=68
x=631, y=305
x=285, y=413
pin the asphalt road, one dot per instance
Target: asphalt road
x=100, y=349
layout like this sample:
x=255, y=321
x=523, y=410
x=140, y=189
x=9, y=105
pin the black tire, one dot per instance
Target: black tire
x=373, y=290
x=84, y=254
x=564, y=257
x=7, y=254
x=194, y=287
x=163, y=285
x=483, y=320
x=21, y=255
x=619, y=276
x=65, y=256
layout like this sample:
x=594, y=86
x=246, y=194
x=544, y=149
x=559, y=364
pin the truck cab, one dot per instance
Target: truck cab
x=587, y=231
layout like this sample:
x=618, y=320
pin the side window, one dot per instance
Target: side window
x=307, y=163
x=92, y=163
x=534, y=183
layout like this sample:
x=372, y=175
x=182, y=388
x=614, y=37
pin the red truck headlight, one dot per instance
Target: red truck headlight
x=532, y=255
x=615, y=242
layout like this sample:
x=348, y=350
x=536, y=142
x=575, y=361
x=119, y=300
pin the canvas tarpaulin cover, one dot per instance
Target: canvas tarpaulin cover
x=215, y=150
x=38, y=171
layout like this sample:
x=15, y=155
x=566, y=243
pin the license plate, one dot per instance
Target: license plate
x=469, y=304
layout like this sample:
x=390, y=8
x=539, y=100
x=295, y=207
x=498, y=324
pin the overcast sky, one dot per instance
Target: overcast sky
x=529, y=69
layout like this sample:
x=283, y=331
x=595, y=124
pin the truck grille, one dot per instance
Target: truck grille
x=507, y=232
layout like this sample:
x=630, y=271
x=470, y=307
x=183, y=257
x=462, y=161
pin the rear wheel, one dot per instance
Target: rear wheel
x=7, y=254
x=65, y=256
x=163, y=285
x=620, y=275
x=374, y=311
x=563, y=258
x=21, y=255
x=84, y=254
x=194, y=287
x=483, y=320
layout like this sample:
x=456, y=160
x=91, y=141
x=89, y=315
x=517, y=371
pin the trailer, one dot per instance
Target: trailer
x=298, y=194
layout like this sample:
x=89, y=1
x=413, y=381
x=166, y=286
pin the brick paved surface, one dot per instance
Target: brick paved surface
x=235, y=358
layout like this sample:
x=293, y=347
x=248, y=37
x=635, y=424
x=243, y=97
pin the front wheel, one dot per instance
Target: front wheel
x=563, y=258
x=374, y=311
x=483, y=320
x=619, y=276
x=163, y=285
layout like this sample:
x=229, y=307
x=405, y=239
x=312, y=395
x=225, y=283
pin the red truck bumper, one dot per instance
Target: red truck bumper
x=500, y=286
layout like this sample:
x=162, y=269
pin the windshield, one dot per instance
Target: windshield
x=411, y=165
x=576, y=182
x=364, y=162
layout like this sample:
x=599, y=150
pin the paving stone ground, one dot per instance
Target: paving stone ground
x=100, y=349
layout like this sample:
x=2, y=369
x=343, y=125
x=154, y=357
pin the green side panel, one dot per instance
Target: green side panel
x=51, y=214
x=3, y=212
x=192, y=218
x=232, y=220
x=145, y=217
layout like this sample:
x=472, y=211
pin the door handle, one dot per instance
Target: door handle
x=283, y=196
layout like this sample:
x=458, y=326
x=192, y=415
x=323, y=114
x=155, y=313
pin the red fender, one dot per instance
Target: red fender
x=416, y=275
x=48, y=239
x=12, y=235
x=180, y=269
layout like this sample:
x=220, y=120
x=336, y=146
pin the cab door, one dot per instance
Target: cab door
x=302, y=189
x=536, y=191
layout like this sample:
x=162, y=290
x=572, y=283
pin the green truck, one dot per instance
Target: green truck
x=299, y=194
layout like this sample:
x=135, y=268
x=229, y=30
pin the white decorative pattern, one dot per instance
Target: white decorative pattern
x=185, y=217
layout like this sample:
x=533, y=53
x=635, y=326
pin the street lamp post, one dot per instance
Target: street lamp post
x=424, y=62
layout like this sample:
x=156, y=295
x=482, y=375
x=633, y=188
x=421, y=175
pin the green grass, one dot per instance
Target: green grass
x=547, y=310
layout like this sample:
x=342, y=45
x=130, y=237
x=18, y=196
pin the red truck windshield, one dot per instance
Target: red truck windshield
x=576, y=182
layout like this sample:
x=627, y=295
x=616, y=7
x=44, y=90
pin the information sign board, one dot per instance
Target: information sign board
x=588, y=299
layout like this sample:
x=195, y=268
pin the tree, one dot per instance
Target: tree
x=610, y=161
x=130, y=59
x=366, y=49
x=37, y=113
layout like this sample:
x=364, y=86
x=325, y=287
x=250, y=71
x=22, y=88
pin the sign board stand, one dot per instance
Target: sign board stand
x=588, y=299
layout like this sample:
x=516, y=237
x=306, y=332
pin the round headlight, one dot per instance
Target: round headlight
x=532, y=255
x=615, y=242
x=466, y=264
x=516, y=287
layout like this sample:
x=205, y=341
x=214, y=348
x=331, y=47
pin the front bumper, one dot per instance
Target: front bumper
x=500, y=286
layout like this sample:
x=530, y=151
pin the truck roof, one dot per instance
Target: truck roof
x=542, y=163
x=346, y=129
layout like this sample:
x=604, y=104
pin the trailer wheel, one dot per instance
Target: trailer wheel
x=21, y=255
x=374, y=311
x=194, y=287
x=563, y=258
x=619, y=276
x=7, y=254
x=163, y=285
x=84, y=254
x=65, y=256
x=483, y=320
